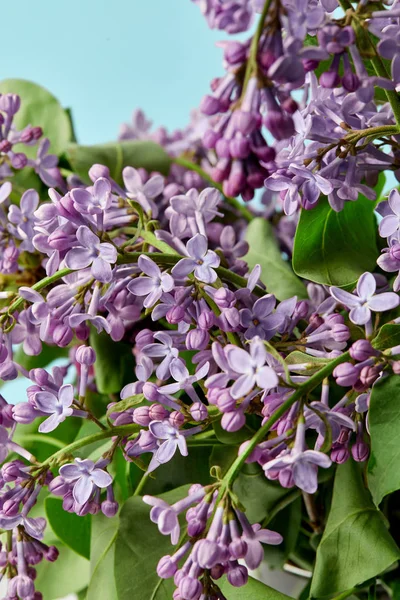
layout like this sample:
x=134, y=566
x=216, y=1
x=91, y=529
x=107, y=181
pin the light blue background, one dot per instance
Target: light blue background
x=104, y=58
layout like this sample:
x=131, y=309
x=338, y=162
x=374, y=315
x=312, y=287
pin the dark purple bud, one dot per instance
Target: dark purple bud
x=238, y=548
x=85, y=355
x=51, y=554
x=216, y=573
x=176, y=419
x=362, y=350
x=198, y=411
x=239, y=147
x=340, y=454
x=222, y=148
x=10, y=471
x=62, y=335
x=234, y=53
x=210, y=138
x=19, y=160
x=209, y=105
x=368, y=375
x=109, y=508
x=26, y=136
x=39, y=376
x=157, y=412
x=5, y=146
x=141, y=416
x=329, y=79
x=238, y=576
x=37, y=133
x=345, y=374
x=290, y=105
x=301, y=310
x=10, y=507
x=360, y=450
x=3, y=353
x=310, y=65
x=196, y=526
x=280, y=124
x=350, y=82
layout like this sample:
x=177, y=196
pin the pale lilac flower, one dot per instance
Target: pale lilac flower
x=192, y=211
x=33, y=526
x=22, y=218
x=91, y=252
x=391, y=223
x=95, y=200
x=45, y=165
x=86, y=477
x=183, y=379
x=144, y=194
x=201, y=261
x=365, y=299
x=304, y=463
x=251, y=368
x=57, y=406
x=169, y=439
x=153, y=285
x=255, y=536
x=164, y=350
x=260, y=320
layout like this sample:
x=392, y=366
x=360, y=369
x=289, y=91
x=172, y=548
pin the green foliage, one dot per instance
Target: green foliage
x=139, y=547
x=102, y=556
x=114, y=363
x=276, y=272
x=230, y=438
x=74, y=531
x=388, y=337
x=384, y=425
x=355, y=545
x=336, y=248
x=47, y=355
x=116, y=156
x=254, y=590
x=69, y=575
x=39, y=108
x=300, y=358
x=287, y=523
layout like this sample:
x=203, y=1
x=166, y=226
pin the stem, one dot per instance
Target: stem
x=302, y=390
x=141, y=484
x=234, y=202
x=252, y=65
x=121, y=431
x=40, y=285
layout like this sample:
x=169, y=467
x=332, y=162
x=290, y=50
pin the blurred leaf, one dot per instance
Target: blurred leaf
x=384, y=426
x=116, y=156
x=336, y=248
x=276, y=273
x=47, y=355
x=39, y=108
x=253, y=590
x=42, y=445
x=388, y=337
x=287, y=523
x=68, y=575
x=71, y=529
x=102, y=557
x=356, y=545
x=231, y=438
x=123, y=405
x=300, y=358
x=114, y=363
x=139, y=547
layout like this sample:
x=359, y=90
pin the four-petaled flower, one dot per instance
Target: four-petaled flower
x=143, y=193
x=201, y=261
x=57, y=406
x=260, y=320
x=391, y=223
x=91, y=252
x=86, y=477
x=153, y=285
x=169, y=439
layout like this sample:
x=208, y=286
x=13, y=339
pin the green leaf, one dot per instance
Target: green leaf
x=47, y=355
x=68, y=575
x=388, y=337
x=43, y=445
x=301, y=358
x=253, y=590
x=139, y=547
x=102, y=557
x=276, y=272
x=230, y=438
x=39, y=108
x=116, y=156
x=125, y=404
x=114, y=363
x=336, y=248
x=384, y=424
x=287, y=523
x=356, y=545
x=74, y=531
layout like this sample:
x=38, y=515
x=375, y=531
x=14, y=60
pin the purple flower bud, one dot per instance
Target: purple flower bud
x=235, y=52
x=147, y=441
x=224, y=298
x=85, y=355
x=3, y=353
x=157, y=412
x=10, y=103
x=141, y=416
x=360, y=450
x=362, y=350
x=197, y=339
x=19, y=160
x=210, y=139
x=340, y=454
x=143, y=338
x=395, y=252
x=96, y=171
x=280, y=124
x=58, y=487
x=22, y=587
x=233, y=421
x=37, y=133
x=254, y=456
x=166, y=567
x=238, y=548
x=176, y=419
x=198, y=411
x=225, y=402
x=5, y=146
x=222, y=148
x=206, y=320
x=209, y=105
x=11, y=471
x=195, y=527
x=24, y=413
x=151, y=392
x=216, y=572
x=340, y=332
x=207, y=552
x=175, y=315
x=238, y=576
x=62, y=335
x=368, y=375
x=190, y=588
x=109, y=508
x=39, y=376
x=329, y=79
x=11, y=507
x=285, y=477
x=345, y=374
x=51, y=554
x=350, y=81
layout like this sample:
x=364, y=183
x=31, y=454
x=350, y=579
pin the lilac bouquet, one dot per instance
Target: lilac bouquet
x=211, y=381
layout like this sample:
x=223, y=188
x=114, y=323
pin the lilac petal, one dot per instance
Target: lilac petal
x=171, y=388
x=394, y=202
x=149, y=267
x=78, y=258
x=29, y=202
x=102, y=187
x=258, y=353
x=255, y=553
x=30, y=294
x=305, y=476
x=178, y=370
x=82, y=197
x=266, y=378
x=155, y=350
x=205, y=274
x=264, y=306
x=242, y=386
x=86, y=237
x=167, y=521
x=344, y=297
x=360, y=315
x=83, y=489
x=153, y=297
x=266, y=536
x=197, y=246
x=154, y=186
x=182, y=445
x=108, y=253
x=141, y=287
x=387, y=263
x=50, y=423
x=388, y=226
x=35, y=527
x=101, y=270
x=385, y=301
x=70, y=472
x=153, y=501
x=101, y=478
x=161, y=429
x=132, y=179
x=5, y=191
x=239, y=360
x=366, y=286
x=183, y=268
x=167, y=282
x=166, y=451
x=45, y=401
x=317, y=458
x=66, y=395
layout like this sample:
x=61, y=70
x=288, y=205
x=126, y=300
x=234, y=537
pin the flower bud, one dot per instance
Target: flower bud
x=157, y=412
x=233, y=420
x=345, y=374
x=62, y=335
x=141, y=416
x=362, y=350
x=175, y=315
x=176, y=419
x=166, y=567
x=96, y=171
x=197, y=339
x=109, y=508
x=198, y=411
x=58, y=487
x=360, y=450
x=340, y=454
x=238, y=576
x=368, y=375
x=24, y=413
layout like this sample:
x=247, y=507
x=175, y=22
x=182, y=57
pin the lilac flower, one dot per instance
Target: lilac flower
x=192, y=211
x=390, y=224
x=201, y=261
x=86, y=478
x=57, y=406
x=153, y=285
x=45, y=165
x=22, y=218
x=365, y=299
x=182, y=376
x=165, y=350
x=260, y=320
x=304, y=463
x=95, y=200
x=251, y=368
x=255, y=536
x=169, y=439
x=91, y=252
x=144, y=194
